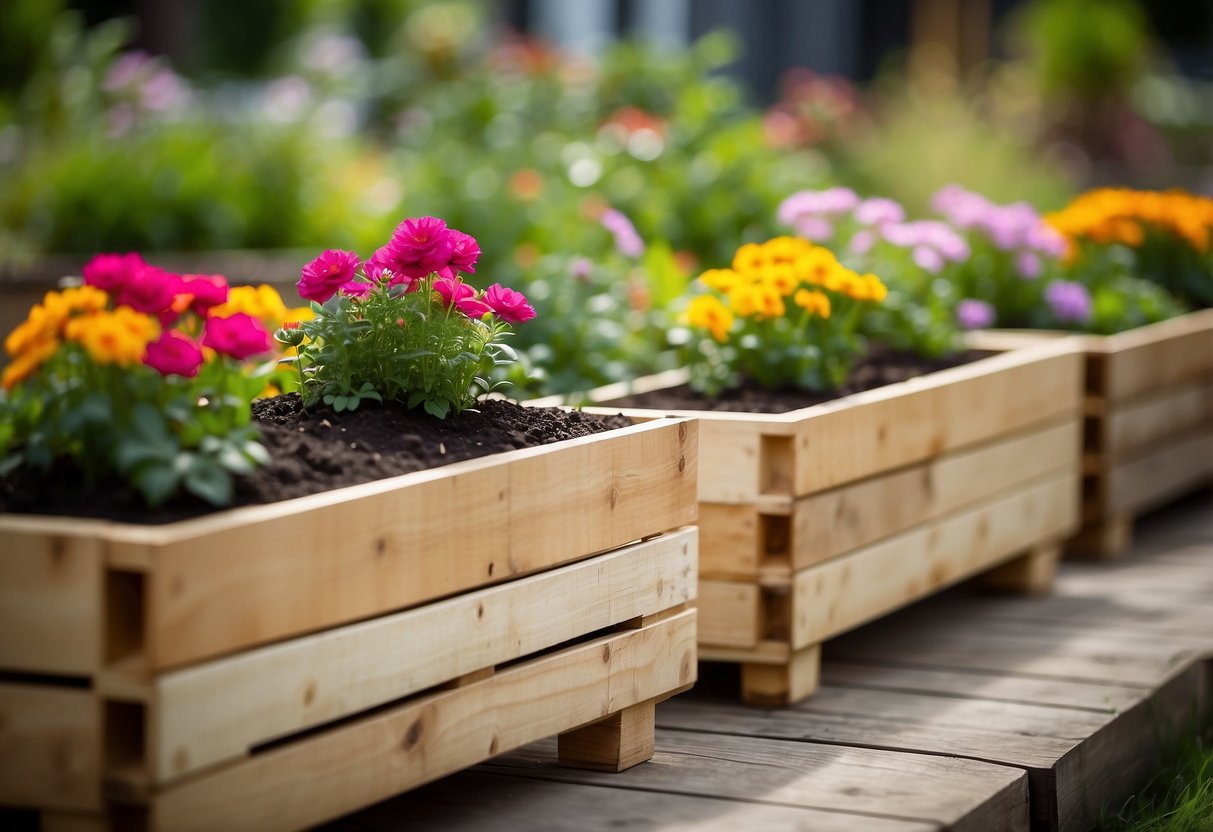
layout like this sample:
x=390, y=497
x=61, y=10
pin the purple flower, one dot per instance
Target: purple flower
x=928, y=259
x=879, y=211
x=862, y=241
x=804, y=204
x=627, y=241
x=1028, y=265
x=817, y=229
x=1047, y=240
x=1070, y=301
x=974, y=314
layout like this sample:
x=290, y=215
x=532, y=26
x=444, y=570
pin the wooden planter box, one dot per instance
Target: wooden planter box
x=815, y=521
x=273, y=667
x=1149, y=422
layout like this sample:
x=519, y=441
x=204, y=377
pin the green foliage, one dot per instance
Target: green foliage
x=397, y=344
x=1178, y=799
x=162, y=433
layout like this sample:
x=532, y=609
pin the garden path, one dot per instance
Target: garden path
x=966, y=712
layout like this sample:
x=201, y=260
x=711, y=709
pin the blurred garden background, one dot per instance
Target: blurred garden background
x=603, y=152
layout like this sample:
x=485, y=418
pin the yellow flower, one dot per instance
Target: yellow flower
x=780, y=276
x=749, y=259
x=768, y=302
x=813, y=302
x=118, y=337
x=84, y=299
x=261, y=302
x=877, y=290
x=722, y=280
x=816, y=265
x=786, y=249
x=742, y=300
x=707, y=312
x=24, y=365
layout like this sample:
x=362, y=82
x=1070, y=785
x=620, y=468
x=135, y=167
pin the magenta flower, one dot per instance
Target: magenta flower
x=473, y=307
x=974, y=314
x=356, y=289
x=110, y=272
x=419, y=246
x=322, y=277
x=627, y=241
x=174, y=354
x=509, y=305
x=1070, y=301
x=207, y=290
x=239, y=336
x=465, y=251
x=149, y=290
x=453, y=290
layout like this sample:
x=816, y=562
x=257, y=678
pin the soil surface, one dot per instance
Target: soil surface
x=877, y=370
x=319, y=450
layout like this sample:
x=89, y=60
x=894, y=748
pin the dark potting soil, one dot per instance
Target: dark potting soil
x=876, y=370
x=319, y=450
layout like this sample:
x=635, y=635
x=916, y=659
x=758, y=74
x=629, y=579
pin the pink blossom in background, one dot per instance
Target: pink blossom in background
x=879, y=211
x=817, y=229
x=509, y=305
x=627, y=241
x=928, y=258
x=1028, y=264
x=207, y=290
x=582, y=269
x=239, y=336
x=1070, y=301
x=174, y=354
x=109, y=272
x=974, y=314
x=862, y=241
x=150, y=290
x=322, y=277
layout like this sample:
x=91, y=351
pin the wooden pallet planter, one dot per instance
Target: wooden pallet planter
x=274, y=667
x=815, y=521
x=1148, y=434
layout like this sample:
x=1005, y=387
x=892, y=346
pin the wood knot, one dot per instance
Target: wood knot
x=58, y=550
x=614, y=496
x=490, y=569
x=682, y=431
x=494, y=745
x=606, y=654
x=412, y=736
x=381, y=546
x=682, y=464
x=684, y=669
x=480, y=610
x=309, y=693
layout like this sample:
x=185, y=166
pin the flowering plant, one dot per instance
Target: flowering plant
x=785, y=315
x=137, y=373
x=403, y=325
x=1163, y=236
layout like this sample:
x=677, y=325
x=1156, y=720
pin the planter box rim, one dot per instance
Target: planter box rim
x=134, y=533
x=1095, y=343
x=1070, y=344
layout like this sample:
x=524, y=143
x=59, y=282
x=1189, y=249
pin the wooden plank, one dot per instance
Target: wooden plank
x=50, y=747
x=731, y=542
x=315, y=562
x=1131, y=427
x=1167, y=471
x=50, y=601
x=511, y=804
x=954, y=794
x=845, y=592
x=883, y=429
x=354, y=765
x=731, y=613
x=1156, y=356
x=844, y=519
x=220, y=709
x=992, y=686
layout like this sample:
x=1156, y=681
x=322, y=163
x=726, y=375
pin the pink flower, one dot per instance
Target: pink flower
x=110, y=272
x=207, y=290
x=510, y=306
x=322, y=277
x=465, y=252
x=356, y=289
x=1028, y=265
x=150, y=290
x=974, y=314
x=377, y=264
x=928, y=258
x=863, y=241
x=453, y=290
x=239, y=336
x=419, y=247
x=174, y=354
x=473, y=307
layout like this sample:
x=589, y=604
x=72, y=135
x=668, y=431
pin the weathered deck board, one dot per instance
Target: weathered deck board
x=927, y=712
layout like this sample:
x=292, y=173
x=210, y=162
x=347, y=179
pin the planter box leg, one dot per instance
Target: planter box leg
x=777, y=685
x=618, y=742
x=1031, y=573
x=1106, y=539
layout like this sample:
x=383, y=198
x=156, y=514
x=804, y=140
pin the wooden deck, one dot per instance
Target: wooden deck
x=968, y=712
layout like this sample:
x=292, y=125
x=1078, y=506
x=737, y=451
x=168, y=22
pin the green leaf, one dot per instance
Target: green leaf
x=416, y=398
x=233, y=459
x=339, y=403
x=437, y=409
x=157, y=481
x=208, y=480
x=256, y=453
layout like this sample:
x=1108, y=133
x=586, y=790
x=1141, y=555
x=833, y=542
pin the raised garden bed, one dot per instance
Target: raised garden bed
x=1148, y=435
x=275, y=666
x=817, y=520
